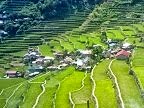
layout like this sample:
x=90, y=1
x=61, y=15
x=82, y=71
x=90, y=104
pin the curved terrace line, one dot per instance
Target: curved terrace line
x=1, y=92
x=12, y=95
x=38, y=97
x=71, y=101
x=54, y=100
x=94, y=87
x=117, y=85
x=70, y=96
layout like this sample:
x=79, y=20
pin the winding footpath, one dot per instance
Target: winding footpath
x=38, y=97
x=117, y=85
x=82, y=85
x=94, y=87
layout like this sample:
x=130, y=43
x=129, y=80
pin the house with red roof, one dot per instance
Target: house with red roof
x=123, y=54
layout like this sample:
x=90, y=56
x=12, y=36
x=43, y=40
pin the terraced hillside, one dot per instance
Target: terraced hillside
x=15, y=47
x=14, y=6
x=111, y=83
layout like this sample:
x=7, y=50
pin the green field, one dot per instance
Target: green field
x=70, y=83
x=115, y=34
x=139, y=72
x=8, y=86
x=45, y=50
x=129, y=89
x=81, y=96
x=138, y=59
x=5, y=83
x=104, y=91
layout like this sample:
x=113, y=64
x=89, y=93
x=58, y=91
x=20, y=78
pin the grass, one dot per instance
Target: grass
x=6, y=93
x=128, y=28
x=71, y=83
x=9, y=85
x=115, y=34
x=95, y=41
x=56, y=45
x=30, y=96
x=19, y=54
x=81, y=97
x=75, y=41
x=136, y=40
x=140, y=27
x=5, y=83
x=2, y=72
x=53, y=79
x=128, y=87
x=46, y=100
x=83, y=38
x=79, y=45
x=138, y=57
x=140, y=74
x=104, y=92
x=45, y=50
x=17, y=98
x=67, y=45
x=129, y=33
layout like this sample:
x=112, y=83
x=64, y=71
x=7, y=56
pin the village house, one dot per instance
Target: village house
x=123, y=55
x=35, y=68
x=42, y=60
x=33, y=74
x=59, y=55
x=48, y=58
x=127, y=46
x=62, y=66
x=53, y=68
x=82, y=64
x=106, y=54
x=67, y=60
x=32, y=55
x=13, y=74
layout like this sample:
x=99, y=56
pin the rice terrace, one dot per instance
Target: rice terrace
x=71, y=53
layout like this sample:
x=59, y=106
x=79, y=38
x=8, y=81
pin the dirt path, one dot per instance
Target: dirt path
x=94, y=87
x=38, y=97
x=117, y=85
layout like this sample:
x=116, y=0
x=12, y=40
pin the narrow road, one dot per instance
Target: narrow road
x=117, y=85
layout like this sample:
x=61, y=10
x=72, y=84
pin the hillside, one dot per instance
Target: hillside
x=72, y=53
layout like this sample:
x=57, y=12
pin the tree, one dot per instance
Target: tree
x=97, y=53
x=103, y=36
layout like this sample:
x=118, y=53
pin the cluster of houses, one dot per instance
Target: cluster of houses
x=118, y=50
x=81, y=59
x=38, y=63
